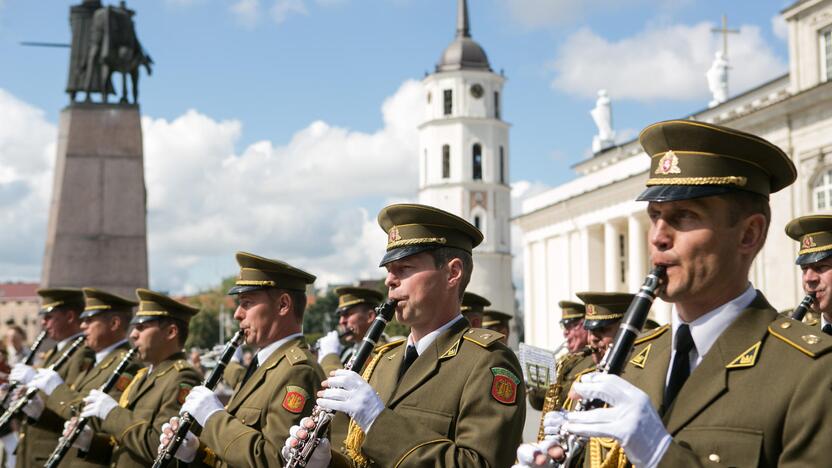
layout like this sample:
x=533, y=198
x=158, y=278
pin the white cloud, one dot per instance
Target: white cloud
x=542, y=13
x=779, y=27
x=247, y=12
x=661, y=63
x=282, y=9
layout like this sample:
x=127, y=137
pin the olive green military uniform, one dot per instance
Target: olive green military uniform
x=814, y=233
x=37, y=438
x=67, y=398
x=281, y=390
x=459, y=404
x=233, y=373
x=256, y=421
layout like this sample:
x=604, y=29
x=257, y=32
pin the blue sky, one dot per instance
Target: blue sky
x=261, y=77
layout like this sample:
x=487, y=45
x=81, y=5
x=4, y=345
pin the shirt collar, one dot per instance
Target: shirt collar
x=268, y=350
x=63, y=343
x=706, y=329
x=99, y=356
x=426, y=340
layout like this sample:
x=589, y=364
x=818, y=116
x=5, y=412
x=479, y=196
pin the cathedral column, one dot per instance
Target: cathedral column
x=611, y=257
x=636, y=252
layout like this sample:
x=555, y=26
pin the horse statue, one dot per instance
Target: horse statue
x=114, y=47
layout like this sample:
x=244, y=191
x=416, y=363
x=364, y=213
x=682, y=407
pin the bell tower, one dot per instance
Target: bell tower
x=464, y=155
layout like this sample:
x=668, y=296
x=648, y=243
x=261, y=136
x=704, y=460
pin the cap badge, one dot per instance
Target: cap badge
x=590, y=309
x=669, y=164
x=394, y=235
x=809, y=242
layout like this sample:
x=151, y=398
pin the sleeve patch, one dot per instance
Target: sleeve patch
x=184, y=390
x=295, y=399
x=123, y=381
x=504, y=385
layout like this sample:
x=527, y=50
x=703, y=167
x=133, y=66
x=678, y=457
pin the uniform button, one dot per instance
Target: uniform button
x=714, y=458
x=785, y=325
x=244, y=420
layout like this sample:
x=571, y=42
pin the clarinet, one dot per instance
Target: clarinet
x=616, y=357
x=66, y=442
x=186, y=420
x=804, y=306
x=18, y=405
x=300, y=454
x=28, y=361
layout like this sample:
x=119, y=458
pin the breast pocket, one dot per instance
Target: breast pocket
x=437, y=421
x=249, y=416
x=723, y=446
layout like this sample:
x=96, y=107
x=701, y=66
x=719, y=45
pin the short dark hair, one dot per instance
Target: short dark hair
x=124, y=316
x=181, y=327
x=298, y=299
x=743, y=204
x=443, y=255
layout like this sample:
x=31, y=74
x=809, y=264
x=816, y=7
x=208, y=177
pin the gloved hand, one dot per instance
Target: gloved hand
x=349, y=393
x=630, y=419
x=187, y=451
x=46, y=380
x=320, y=457
x=83, y=440
x=534, y=455
x=329, y=344
x=22, y=373
x=201, y=403
x=552, y=421
x=34, y=408
x=98, y=404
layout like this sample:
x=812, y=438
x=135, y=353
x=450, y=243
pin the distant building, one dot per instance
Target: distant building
x=19, y=305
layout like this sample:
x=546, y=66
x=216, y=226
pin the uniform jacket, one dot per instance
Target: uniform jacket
x=39, y=438
x=762, y=395
x=461, y=403
x=67, y=398
x=149, y=401
x=252, y=429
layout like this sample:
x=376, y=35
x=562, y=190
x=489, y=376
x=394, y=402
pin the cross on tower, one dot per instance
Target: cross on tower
x=725, y=31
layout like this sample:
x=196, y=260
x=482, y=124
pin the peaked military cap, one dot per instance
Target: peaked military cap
x=815, y=236
x=155, y=306
x=349, y=296
x=695, y=159
x=52, y=298
x=603, y=309
x=412, y=229
x=98, y=301
x=260, y=273
x=495, y=317
x=473, y=303
x=571, y=312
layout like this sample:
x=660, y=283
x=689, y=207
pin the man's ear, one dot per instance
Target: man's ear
x=284, y=304
x=454, y=272
x=753, y=234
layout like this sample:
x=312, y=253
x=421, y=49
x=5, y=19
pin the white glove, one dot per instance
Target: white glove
x=46, y=380
x=187, y=451
x=630, y=419
x=534, y=455
x=329, y=344
x=22, y=373
x=552, y=421
x=201, y=403
x=83, y=440
x=98, y=404
x=349, y=393
x=34, y=408
x=320, y=457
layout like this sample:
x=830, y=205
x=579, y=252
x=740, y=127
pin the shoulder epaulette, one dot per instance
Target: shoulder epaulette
x=809, y=341
x=388, y=346
x=181, y=364
x=652, y=334
x=482, y=337
x=295, y=355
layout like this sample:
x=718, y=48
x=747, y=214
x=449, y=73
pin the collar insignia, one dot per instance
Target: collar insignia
x=747, y=359
x=640, y=359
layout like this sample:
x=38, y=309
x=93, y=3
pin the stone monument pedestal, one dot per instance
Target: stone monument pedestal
x=97, y=231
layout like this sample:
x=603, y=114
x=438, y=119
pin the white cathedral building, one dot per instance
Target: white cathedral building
x=590, y=234
x=464, y=155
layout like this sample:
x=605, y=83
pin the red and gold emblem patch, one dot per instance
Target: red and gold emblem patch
x=123, y=382
x=504, y=385
x=295, y=399
x=394, y=235
x=809, y=242
x=669, y=164
x=184, y=390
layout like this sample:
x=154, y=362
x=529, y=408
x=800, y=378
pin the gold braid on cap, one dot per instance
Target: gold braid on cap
x=421, y=240
x=255, y=283
x=98, y=307
x=739, y=181
x=603, y=317
x=815, y=249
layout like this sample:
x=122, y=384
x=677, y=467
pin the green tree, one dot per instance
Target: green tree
x=205, y=326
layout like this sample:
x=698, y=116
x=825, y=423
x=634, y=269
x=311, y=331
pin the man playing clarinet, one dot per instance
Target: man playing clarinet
x=815, y=260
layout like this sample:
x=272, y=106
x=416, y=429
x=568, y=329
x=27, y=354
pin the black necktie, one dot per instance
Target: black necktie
x=251, y=368
x=409, y=356
x=680, y=370
x=827, y=328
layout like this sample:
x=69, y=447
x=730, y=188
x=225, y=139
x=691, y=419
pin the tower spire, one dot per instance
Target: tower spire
x=462, y=28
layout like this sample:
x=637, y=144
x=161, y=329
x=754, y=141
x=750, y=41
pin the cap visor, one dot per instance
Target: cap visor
x=595, y=324
x=666, y=193
x=569, y=321
x=813, y=257
x=402, y=252
x=90, y=313
x=144, y=318
x=239, y=289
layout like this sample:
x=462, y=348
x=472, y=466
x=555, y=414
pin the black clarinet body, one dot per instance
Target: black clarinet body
x=186, y=420
x=30, y=358
x=18, y=405
x=321, y=417
x=66, y=443
x=803, y=307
